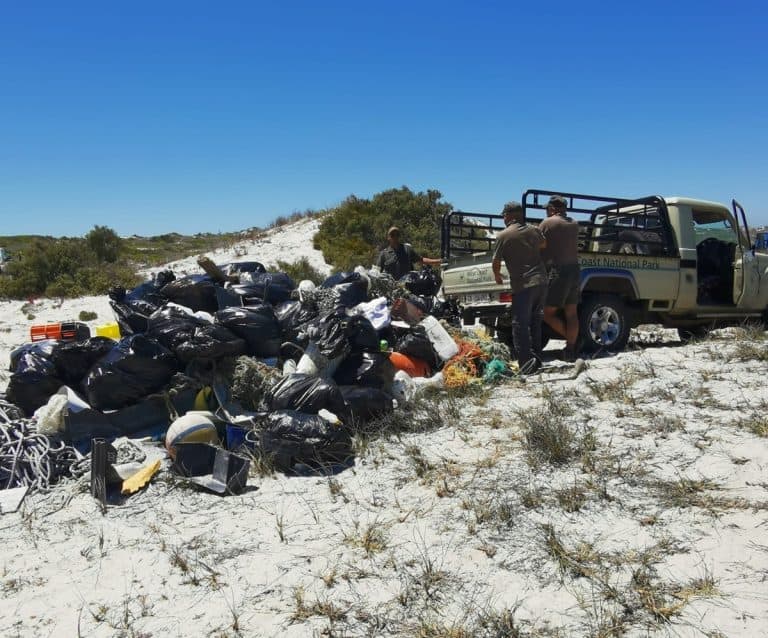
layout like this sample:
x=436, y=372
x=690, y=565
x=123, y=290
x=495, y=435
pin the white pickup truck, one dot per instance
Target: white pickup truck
x=684, y=263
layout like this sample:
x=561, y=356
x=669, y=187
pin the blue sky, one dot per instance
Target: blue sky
x=201, y=116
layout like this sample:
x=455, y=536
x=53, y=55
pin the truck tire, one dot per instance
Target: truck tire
x=604, y=323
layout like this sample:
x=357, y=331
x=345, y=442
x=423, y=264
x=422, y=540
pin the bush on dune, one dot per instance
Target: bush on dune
x=355, y=231
x=69, y=267
x=300, y=270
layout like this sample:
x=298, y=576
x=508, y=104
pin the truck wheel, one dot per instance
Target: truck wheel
x=603, y=323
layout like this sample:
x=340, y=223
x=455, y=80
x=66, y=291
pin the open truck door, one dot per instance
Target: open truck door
x=746, y=272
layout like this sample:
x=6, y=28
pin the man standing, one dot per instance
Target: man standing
x=561, y=256
x=519, y=245
x=398, y=259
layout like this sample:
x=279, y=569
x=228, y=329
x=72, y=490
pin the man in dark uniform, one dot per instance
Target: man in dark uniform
x=519, y=246
x=398, y=259
x=561, y=256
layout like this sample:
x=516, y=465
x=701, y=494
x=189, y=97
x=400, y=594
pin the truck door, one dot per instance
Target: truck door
x=746, y=288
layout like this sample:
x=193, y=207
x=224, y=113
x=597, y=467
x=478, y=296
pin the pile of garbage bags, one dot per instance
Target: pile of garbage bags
x=294, y=368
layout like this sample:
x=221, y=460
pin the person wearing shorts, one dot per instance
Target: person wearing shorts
x=561, y=256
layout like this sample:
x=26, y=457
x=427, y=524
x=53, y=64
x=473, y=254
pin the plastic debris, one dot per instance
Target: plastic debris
x=140, y=479
x=212, y=467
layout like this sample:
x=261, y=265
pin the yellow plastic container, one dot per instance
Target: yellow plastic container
x=110, y=330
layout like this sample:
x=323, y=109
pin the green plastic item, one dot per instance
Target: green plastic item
x=495, y=370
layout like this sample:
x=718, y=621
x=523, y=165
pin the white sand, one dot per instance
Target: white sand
x=455, y=522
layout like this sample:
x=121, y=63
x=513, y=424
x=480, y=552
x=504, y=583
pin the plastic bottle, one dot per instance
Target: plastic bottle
x=316, y=363
x=443, y=343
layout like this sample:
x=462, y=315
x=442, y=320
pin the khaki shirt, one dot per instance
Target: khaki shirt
x=562, y=235
x=398, y=261
x=519, y=247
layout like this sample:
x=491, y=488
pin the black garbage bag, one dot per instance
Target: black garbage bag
x=73, y=360
x=33, y=382
x=364, y=403
x=350, y=287
x=242, y=266
x=257, y=325
x=117, y=293
x=130, y=320
x=135, y=367
x=415, y=343
x=330, y=333
x=196, y=292
x=339, y=278
x=447, y=309
x=211, y=342
x=425, y=282
x=423, y=303
x=371, y=369
x=172, y=326
x=164, y=277
x=149, y=291
x=362, y=335
x=270, y=287
x=144, y=298
x=294, y=318
x=42, y=349
x=226, y=297
x=305, y=393
x=352, y=293
x=291, y=437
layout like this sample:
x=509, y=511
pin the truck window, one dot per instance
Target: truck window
x=713, y=225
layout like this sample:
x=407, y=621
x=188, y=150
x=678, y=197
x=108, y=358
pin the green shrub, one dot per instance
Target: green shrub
x=355, y=231
x=68, y=267
x=104, y=243
x=87, y=315
x=300, y=270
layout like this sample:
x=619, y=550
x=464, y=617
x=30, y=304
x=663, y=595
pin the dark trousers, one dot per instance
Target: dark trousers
x=527, y=316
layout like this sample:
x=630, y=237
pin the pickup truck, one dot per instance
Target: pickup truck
x=679, y=262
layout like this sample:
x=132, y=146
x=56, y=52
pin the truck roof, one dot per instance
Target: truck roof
x=688, y=201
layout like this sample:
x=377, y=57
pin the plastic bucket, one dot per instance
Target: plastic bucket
x=109, y=330
x=235, y=436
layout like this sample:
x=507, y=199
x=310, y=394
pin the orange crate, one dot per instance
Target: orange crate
x=62, y=331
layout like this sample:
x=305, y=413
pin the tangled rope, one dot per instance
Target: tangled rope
x=28, y=458
x=324, y=299
x=251, y=380
x=462, y=368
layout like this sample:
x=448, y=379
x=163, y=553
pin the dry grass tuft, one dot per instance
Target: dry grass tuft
x=372, y=538
x=326, y=608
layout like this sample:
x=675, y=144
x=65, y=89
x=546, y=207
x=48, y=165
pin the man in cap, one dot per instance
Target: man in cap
x=561, y=257
x=398, y=259
x=519, y=246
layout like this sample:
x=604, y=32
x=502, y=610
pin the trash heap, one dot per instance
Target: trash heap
x=230, y=364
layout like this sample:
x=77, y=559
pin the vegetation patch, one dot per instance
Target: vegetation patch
x=355, y=231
